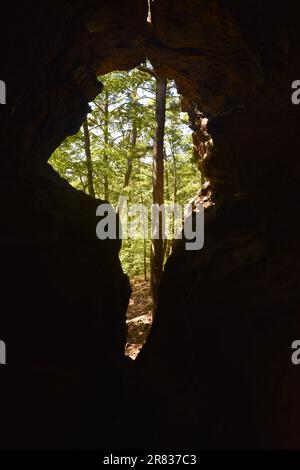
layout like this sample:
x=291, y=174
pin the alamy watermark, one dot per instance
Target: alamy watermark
x=2, y=92
x=2, y=353
x=295, y=358
x=296, y=94
x=168, y=221
x=2, y=343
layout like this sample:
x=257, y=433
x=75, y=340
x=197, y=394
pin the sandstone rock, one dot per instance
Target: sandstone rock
x=216, y=370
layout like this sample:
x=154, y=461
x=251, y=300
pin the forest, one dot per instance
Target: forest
x=135, y=143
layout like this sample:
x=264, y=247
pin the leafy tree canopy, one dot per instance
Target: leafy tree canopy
x=121, y=127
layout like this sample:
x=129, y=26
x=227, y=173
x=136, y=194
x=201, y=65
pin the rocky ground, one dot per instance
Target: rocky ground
x=139, y=317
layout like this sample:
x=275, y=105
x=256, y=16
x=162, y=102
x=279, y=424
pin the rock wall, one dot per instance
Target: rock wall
x=216, y=370
x=217, y=366
x=63, y=295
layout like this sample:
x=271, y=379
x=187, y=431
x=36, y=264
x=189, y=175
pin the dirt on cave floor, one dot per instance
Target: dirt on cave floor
x=139, y=316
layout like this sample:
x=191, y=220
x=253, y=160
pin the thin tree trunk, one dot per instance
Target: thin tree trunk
x=83, y=185
x=132, y=154
x=175, y=176
x=145, y=260
x=88, y=157
x=166, y=241
x=157, y=249
x=145, y=245
x=174, y=187
x=106, y=141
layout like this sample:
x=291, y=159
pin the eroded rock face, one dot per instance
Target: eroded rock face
x=62, y=385
x=219, y=355
x=64, y=295
x=199, y=42
x=216, y=370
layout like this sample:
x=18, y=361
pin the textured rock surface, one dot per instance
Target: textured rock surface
x=199, y=42
x=62, y=385
x=217, y=365
x=64, y=295
x=216, y=370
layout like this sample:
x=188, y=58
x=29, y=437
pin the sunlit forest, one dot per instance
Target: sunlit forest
x=114, y=153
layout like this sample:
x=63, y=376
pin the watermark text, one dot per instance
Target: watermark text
x=2, y=353
x=2, y=92
x=168, y=221
x=296, y=94
x=296, y=354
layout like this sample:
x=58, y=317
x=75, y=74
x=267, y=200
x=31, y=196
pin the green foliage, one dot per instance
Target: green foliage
x=121, y=127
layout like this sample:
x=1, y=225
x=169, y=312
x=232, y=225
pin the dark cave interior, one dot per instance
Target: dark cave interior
x=232, y=307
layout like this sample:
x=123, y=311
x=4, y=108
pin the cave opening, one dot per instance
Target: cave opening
x=216, y=371
x=112, y=159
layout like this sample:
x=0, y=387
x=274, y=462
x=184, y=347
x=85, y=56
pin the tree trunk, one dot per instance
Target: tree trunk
x=166, y=241
x=174, y=176
x=132, y=154
x=174, y=186
x=88, y=157
x=106, y=139
x=157, y=248
x=145, y=245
